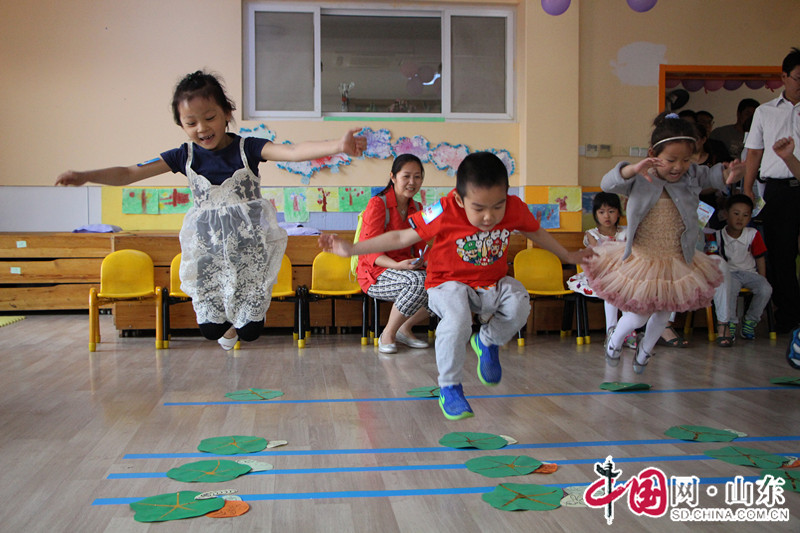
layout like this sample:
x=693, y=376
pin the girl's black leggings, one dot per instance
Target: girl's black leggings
x=249, y=332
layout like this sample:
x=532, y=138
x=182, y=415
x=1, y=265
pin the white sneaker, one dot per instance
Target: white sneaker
x=411, y=342
x=228, y=344
x=386, y=348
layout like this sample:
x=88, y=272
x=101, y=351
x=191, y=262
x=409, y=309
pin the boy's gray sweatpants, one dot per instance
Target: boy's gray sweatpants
x=454, y=302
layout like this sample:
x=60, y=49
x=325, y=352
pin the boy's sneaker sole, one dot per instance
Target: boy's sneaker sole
x=474, y=341
x=462, y=416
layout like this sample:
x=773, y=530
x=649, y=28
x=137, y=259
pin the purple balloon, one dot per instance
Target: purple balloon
x=640, y=6
x=732, y=85
x=754, y=84
x=555, y=7
x=671, y=83
x=693, y=85
x=774, y=84
x=714, y=85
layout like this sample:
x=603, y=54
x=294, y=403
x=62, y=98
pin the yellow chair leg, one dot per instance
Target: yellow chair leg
x=238, y=345
x=712, y=334
x=301, y=343
x=587, y=339
x=579, y=341
x=521, y=342
x=364, y=341
x=159, y=319
x=92, y=323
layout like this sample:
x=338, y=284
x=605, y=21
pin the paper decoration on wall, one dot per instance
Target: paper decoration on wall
x=323, y=199
x=232, y=445
x=736, y=455
x=417, y=145
x=430, y=195
x=700, y=434
x=505, y=157
x=273, y=195
x=379, y=143
x=353, y=199
x=260, y=131
x=307, y=168
x=176, y=200
x=503, y=465
x=174, y=506
x=447, y=157
x=567, y=198
x=295, y=207
x=139, y=201
x=482, y=441
x=524, y=497
x=249, y=395
x=213, y=471
x=546, y=214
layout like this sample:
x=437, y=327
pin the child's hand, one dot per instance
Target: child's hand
x=646, y=167
x=579, y=256
x=330, y=242
x=352, y=145
x=411, y=264
x=784, y=147
x=735, y=171
x=70, y=177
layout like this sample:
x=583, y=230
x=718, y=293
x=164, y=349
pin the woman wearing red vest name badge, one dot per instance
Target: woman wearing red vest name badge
x=397, y=276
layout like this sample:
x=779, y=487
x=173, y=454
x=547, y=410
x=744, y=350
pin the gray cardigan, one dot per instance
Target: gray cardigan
x=642, y=196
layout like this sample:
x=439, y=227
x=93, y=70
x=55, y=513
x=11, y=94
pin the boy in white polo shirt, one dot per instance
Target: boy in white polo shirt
x=744, y=252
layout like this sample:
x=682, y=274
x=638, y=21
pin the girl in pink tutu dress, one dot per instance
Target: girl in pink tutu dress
x=656, y=271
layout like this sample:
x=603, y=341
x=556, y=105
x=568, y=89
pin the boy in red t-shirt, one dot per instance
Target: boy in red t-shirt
x=467, y=270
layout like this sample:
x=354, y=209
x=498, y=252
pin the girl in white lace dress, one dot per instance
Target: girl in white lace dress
x=231, y=243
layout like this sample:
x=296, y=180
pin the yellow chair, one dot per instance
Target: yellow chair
x=124, y=275
x=331, y=279
x=173, y=296
x=541, y=273
x=282, y=291
x=745, y=293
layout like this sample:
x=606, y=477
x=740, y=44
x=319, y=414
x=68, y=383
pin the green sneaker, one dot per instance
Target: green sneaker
x=489, y=370
x=749, y=329
x=732, y=326
x=453, y=404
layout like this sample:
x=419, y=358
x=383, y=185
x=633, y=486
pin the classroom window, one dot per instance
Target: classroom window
x=304, y=60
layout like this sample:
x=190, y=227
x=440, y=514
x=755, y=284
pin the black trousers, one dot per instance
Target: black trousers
x=781, y=223
x=249, y=332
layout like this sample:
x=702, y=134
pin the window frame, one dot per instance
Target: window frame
x=445, y=15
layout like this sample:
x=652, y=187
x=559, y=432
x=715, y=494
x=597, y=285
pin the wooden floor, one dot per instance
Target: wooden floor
x=83, y=434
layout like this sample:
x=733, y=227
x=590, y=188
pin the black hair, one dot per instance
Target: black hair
x=705, y=114
x=397, y=165
x=700, y=130
x=483, y=170
x=739, y=199
x=667, y=125
x=745, y=103
x=200, y=84
x=687, y=114
x=605, y=198
x=791, y=61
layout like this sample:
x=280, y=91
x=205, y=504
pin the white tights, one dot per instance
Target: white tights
x=631, y=321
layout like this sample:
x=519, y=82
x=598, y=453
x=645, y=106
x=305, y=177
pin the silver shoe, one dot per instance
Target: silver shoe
x=613, y=358
x=639, y=367
x=386, y=348
x=411, y=342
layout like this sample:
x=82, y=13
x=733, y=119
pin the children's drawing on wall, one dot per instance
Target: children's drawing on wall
x=379, y=143
x=546, y=214
x=505, y=157
x=447, y=157
x=273, y=195
x=139, y=201
x=587, y=220
x=308, y=168
x=323, y=199
x=430, y=195
x=353, y=199
x=567, y=198
x=260, y=131
x=417, y=145
x=176, y=200
x=295, y=207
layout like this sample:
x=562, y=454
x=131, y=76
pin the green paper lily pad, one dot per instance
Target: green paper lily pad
x=786, y=380
x=700, y=434
x=208, y=471
x=235, y=444
x=253, y=395
x=736, y=455
x=524, y=497
x=503, y=465
x=174, y=506
x=791, y=478
x=482, y=441
x=424, y=392
x=619, y=386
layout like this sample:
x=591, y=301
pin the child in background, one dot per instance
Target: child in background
x=657, y=271
x=467, y=270
x=744, y=265
x=606, y=211
x=231, y=244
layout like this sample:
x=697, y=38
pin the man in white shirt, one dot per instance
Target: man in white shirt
x=774, y=120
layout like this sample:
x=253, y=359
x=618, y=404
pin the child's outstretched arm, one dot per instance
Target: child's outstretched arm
x=305, y=151
x=733, y=171
x=114, y=175
x=645, y=167
x=785, y=149
x=548, y=242
x=391, y=240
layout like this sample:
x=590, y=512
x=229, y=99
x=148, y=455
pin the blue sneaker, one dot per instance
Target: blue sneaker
x=793, y=351
x=489, y=371
x=749, y=329
x=453, y=404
